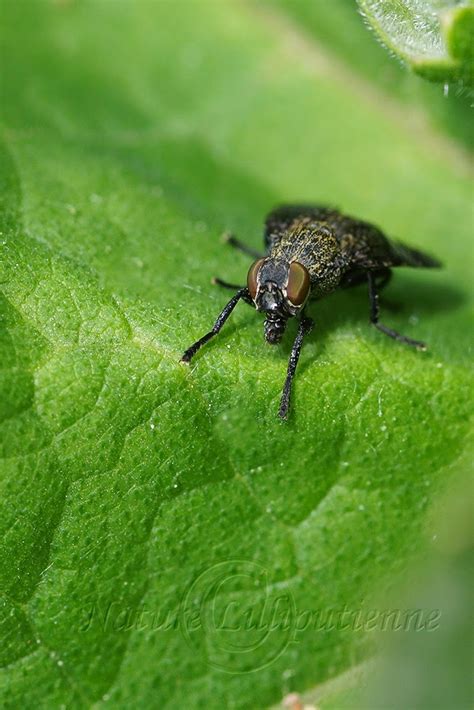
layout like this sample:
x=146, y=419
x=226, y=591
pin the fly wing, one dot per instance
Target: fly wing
x=414, y=257
x=365, y=247
x=281, y=218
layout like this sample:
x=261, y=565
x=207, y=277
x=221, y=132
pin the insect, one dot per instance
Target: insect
x=310, y=252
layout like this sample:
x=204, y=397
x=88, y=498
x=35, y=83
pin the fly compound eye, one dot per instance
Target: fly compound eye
x=298, y=284
x=252, y=277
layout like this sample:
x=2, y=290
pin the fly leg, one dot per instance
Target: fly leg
x=229, y=238
x=374, y=316
x=221, y=319
x=384, y=276
x=356, y=278
x=237, y=244
x=233, y=287
x=304, y=327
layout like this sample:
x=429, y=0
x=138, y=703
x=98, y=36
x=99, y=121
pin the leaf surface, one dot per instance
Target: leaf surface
x=151, y=514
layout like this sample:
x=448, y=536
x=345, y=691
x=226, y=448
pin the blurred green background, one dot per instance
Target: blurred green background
x=151, y=514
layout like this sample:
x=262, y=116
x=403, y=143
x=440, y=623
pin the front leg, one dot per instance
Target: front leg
x=233, y=287
x=221, y=319
x=229, y=238
x=374, y=317
x=304, y=327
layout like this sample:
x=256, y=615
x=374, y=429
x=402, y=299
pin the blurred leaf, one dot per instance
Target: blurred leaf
x=142, y=502
x=343, y=35
x=441, y=581
x=434, y=37
x=437, y=586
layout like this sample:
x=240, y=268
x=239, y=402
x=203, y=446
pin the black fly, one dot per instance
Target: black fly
x=310, y=252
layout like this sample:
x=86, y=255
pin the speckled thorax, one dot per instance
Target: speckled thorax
x=314, y=245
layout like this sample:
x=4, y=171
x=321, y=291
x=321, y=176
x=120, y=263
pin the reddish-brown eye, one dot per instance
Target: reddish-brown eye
x=252, y=277
x=298, y=284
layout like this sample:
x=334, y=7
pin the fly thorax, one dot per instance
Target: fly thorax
x=327, y=265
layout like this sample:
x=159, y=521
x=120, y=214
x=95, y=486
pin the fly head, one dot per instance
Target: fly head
x=279, y=289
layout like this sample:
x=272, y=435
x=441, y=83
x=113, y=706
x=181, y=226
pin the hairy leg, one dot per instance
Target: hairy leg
x=221, y=319
x=233, y=287
x=304, y=327
x=374, y=317
x=237, y=244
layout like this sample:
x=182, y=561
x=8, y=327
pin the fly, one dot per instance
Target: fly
x=311, y=251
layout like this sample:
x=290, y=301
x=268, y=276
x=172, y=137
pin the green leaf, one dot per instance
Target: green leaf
x=434, y=37
x=165, y=540
x=445, y=574
x=402, y=675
